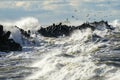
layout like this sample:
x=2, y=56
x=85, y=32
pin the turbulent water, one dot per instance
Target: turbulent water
x=76, y=57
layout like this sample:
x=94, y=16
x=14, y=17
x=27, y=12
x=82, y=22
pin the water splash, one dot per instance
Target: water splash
x=67, y=58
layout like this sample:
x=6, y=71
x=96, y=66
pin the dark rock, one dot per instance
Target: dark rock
x=56, y=30
x=24, y=33
x=1, y=30
x=95, y=24
x=6, y=35
x=86, y=25
x=7, y=44
x=60, y=29
x=14, y=46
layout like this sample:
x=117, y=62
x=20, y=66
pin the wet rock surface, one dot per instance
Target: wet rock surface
x=24, y=33
x=7, y=44
x=60, y=29
x=56, y=30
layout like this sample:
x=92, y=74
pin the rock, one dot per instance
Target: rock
x=56, y=30
x=6, y=36
x=26, y=34
x=86, y=25
x=7, y=44
x=101, y=24
x=60, y=29
x=14, y=46
x=1, y=31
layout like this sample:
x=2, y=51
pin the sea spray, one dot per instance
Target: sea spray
x=28, y=23
x=75, y=57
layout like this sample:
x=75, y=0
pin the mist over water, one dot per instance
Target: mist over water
x=75, y=57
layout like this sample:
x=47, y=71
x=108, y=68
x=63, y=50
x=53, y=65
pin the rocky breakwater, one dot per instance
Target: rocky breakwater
x=60, y=29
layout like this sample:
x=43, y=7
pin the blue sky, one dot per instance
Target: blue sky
x=50, y=11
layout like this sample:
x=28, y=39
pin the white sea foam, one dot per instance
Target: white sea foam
x=28, y=23
x=54, y=65
x=115, y=23
x=67, y=58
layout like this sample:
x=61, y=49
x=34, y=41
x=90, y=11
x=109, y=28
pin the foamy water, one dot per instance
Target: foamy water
x=76, y=57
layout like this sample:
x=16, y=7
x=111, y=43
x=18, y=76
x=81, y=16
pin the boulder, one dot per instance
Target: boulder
x=56, y=30
x=60, y=29
x=102, y=24
x=24, y=33
x=1, y=31
x=7, y=44
x=86, y=25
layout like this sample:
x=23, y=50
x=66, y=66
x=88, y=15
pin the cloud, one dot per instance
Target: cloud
x=59, y=9
x=13, y=4
x=23, y=4
x=49, y=5
x=31, y=5
x=27, y=5
x=53, y=4
x=58, y=4
x=6, y=4
x=20, y=4
x=74, y=3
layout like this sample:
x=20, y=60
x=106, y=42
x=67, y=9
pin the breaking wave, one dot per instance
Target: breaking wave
x=83, y=55
x=28, y=23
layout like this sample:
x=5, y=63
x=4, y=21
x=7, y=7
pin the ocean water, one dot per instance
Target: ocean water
x=75, y=57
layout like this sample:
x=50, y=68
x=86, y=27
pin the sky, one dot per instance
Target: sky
x=52, y=11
